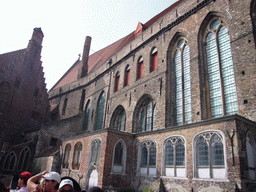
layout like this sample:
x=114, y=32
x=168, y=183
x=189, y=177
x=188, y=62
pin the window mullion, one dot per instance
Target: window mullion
x=174, y=160
x=182, y=85
x=220, y=73
x=148, y=149
x=210, y=159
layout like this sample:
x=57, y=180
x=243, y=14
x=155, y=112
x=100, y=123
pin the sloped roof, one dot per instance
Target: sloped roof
x=101, y=56
x=8, y=58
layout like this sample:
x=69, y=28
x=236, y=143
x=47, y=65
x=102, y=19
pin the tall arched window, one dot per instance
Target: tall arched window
x=147, y=164
x=23, y=159
x=127, y=75
x=174, y=157
x=119, y=158
x=182, y=83
x=209, y=155
x=77, y=156
x=140, y=68
x=120, y=121
x=251, y=155
x=147, y=116
x=117, y=79
x=86, y=118
x=100, y=112
x=153, y=60
x=95, y=152
x=10, y=161
x=65, y=163
x=221, y=78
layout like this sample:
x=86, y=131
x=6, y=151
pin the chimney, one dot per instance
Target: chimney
x=38, y=35
x=83, y=68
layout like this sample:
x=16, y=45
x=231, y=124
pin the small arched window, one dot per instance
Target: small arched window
x=86, y=118
x=147, y=164
x=174, y=157
x=77, y=156
x=117, y=79
x=140, y=68
x=119, y=158
x=10, y=161
x=127, y=75
x=100, y=112
x=209, y=155
x=251, y=155
x=65, y=163
x=153, y=60
x=23, y=159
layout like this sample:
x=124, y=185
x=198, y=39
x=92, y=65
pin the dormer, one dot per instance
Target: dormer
x=140, y=28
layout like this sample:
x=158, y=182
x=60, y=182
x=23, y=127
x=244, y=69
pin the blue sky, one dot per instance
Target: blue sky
x=65, y=25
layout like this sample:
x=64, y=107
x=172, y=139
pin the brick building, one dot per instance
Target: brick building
x=23, y=105
x=171, y=106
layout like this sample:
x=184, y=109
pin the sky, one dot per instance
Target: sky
x=65, y=25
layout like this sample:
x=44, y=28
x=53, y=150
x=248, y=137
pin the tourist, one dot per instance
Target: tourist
x=51, y=183
x=22, y=182
x=66, y=185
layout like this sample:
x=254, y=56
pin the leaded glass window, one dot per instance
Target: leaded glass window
x=77, y=156
x=148, y=158
x=251, y=155
x=120, y=121
x=119, y=159
x=10, y=161
x=182, y=83
x=147, y=116
x=86, y=116
x=210, y=155
x=222, y=87
x=65, y=163
x=118, y=154
x=23, y=159
x=174, y=156
x=100, y=112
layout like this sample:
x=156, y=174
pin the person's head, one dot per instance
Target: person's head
x=23, y=178
x=66, y=185
x=95, y=189
x=52, y=180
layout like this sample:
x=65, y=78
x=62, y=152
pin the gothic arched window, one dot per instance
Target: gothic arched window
x=117, y=81
x=174, y=157
x=100, y=112
x=86, y=118
x=182, y=83
x=10, y=161
x=147, y=116
x=77, y=156
x=147, y=163
x=65, y=163
x=221, y=89
x=119, y=158
x=95, y=152
x=251, y=155
x=23, y=159
x=209, y=155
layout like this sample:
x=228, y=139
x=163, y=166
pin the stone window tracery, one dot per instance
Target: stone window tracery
x=147, y=160
x=209, y=155
x=119, y=158
x=10, y=161
x=174, y=157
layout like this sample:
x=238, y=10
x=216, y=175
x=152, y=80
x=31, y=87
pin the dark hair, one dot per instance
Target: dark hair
x=24, y=180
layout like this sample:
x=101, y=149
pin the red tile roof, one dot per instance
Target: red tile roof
x=101, y=56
